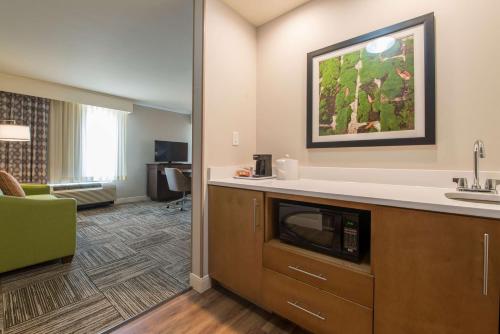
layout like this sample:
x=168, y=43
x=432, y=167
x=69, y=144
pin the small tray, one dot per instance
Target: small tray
x=253, y=178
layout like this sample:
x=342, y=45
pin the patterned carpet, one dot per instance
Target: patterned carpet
x=130, y=257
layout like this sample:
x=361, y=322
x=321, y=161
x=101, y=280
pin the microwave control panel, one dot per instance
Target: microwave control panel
x=350, y=236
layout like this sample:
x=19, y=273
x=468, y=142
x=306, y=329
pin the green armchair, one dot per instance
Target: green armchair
x=36, y=228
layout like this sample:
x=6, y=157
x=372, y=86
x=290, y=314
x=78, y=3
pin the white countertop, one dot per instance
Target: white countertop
x=403, y=196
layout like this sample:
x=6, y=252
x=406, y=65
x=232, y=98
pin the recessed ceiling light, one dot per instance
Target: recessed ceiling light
x=380, y=45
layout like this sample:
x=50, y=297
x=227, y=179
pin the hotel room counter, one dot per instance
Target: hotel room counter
x=402, y=196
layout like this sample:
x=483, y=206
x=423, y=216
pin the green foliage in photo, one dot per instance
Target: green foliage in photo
x=388, y=120
x=380, y=88
x=364, y=107
x=392, y=86
x=329, y=72
x=350, y=60
x=326, y=131
x=371, y=67
x=343, y=119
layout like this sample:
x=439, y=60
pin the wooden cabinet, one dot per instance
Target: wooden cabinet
x=236, y=236
x=314, y=309
x=342, y=278
x=430, y=272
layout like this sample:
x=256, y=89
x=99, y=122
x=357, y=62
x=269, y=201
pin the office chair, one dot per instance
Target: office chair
x=178, y=182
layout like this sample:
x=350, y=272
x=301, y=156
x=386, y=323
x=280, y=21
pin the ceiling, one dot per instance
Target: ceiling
x=259, y=12
x=138, y=49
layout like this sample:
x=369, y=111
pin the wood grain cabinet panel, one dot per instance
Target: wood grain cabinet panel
x=236, y=235
x=429, y=273
x=320, y=271
x=314, y=309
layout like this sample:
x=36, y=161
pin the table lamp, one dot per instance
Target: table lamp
x=10, y=131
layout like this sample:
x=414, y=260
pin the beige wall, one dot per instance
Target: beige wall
x=33, y=87
x=144, y=126
x=468, y=80
x=229, y=86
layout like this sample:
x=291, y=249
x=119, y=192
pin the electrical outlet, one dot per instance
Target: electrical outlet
x=236, y=138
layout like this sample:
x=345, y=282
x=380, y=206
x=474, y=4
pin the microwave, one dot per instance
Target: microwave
x=339, y=232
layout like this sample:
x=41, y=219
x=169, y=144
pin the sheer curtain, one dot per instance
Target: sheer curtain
x=87, y=143
x=65, y=142
x=103, y=144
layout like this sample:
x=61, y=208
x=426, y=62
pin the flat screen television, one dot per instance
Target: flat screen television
x=169, y=151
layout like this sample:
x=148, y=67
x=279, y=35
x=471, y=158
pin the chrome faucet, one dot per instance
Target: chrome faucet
x=479, y=153
x=490, y=186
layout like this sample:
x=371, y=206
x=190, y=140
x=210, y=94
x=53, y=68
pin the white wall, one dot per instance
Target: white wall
x=144, y=126
x=229, y=86
x=468, y=81
x=21, y=85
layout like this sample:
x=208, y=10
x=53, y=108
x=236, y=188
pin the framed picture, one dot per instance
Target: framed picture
x=377, y=89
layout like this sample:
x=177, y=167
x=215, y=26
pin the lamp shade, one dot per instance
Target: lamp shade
x=14, y=132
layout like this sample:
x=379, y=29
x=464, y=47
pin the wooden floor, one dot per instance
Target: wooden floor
x=215, y=311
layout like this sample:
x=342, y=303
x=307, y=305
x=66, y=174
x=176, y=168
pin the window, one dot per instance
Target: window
x=103, y=145
x=86, y=143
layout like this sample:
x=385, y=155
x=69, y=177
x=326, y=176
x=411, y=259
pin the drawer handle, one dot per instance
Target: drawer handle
x=320, y=276
x=486, y=245
x=297, y=306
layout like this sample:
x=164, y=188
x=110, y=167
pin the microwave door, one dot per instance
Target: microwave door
x=312, y=229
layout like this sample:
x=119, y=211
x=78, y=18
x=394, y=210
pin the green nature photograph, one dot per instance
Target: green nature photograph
x=363, y=92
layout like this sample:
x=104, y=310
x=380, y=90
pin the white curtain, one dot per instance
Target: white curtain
x=104, y=144
x=87, y=143
x=65, y=144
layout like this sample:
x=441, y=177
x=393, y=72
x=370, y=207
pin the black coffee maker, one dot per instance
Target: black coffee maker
x=263, y=165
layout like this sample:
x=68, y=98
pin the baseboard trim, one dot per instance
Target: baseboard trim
x=200, y=284
x=124, y=200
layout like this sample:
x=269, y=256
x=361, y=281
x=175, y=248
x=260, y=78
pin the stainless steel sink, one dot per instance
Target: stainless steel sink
x=488, y=198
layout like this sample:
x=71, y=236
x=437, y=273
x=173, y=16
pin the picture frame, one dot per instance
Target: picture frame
x=377, y=89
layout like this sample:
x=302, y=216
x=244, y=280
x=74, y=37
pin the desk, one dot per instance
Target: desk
x=157, y=186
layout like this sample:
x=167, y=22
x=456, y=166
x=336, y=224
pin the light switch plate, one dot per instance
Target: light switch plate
x=236, y=138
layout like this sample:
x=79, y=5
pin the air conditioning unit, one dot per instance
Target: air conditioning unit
x=86, y=194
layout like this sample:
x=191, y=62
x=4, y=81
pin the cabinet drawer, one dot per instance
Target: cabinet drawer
x=320, y=272
x=314, y=309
